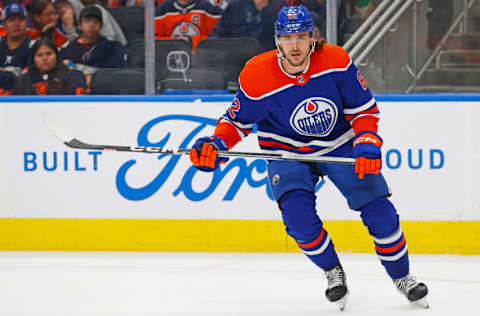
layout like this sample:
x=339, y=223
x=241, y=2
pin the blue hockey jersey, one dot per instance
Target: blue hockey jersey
x=310, y=114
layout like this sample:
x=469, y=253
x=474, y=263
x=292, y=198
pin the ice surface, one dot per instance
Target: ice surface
x=250, y=284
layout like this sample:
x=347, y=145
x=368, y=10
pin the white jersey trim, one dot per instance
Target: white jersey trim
x=347, y=135
x=234, y=124
x=291, y=84
x=331, y=70
x=266, y=94
x=360, y=108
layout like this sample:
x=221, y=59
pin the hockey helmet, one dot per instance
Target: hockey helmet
x=294, y=19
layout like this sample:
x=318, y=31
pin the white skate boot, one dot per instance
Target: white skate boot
x=413, y=290
x=337, y=291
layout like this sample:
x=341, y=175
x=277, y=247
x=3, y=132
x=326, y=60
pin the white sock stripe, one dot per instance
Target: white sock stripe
x=396, y=257
x=388, y=240
x=319, y=250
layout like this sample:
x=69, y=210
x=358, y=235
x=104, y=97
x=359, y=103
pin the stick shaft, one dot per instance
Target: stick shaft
x=72, y=142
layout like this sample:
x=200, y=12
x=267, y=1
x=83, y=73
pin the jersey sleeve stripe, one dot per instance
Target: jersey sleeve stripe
x=371, y=111
x=360, y=108
x=243, y=130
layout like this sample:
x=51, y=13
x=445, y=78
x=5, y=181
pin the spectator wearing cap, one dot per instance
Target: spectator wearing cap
x=44, y=18
x=13, y=46
x=46, y=73
x=91, y=48
x=250, y=18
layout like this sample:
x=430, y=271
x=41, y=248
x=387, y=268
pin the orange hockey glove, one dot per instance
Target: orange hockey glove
x=204, y=153
x=366, y=148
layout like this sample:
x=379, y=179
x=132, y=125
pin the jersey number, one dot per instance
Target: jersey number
x=235, y=107
x=362, y=80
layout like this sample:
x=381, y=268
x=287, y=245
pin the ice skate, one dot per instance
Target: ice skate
x=337, y=291
x=414, y=291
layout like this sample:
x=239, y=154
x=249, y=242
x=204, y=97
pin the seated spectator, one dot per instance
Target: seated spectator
x=91, y=48
x=67, y=23
x=13, y=47
x=189, y=20
x=44, y=19
x=110, y=28
x=250, y=18
x=47, y=74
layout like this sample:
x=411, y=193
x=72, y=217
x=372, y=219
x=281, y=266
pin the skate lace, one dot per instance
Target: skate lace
x=335, y=277
x=406, y=283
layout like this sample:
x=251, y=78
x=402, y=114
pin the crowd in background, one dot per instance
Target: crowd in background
x=54, y=46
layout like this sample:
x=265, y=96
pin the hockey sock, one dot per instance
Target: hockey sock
x=382, y=222
x=304, y=225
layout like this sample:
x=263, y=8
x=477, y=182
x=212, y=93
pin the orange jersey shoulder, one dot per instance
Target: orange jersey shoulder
x=330, y=57
x=262, y=75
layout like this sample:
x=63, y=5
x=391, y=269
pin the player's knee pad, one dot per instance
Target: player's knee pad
x=299, y=215
x=380, y=217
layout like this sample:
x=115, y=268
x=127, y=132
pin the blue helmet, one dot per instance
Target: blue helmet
x=295, y=19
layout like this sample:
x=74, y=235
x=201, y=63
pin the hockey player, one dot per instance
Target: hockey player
x=190, y=20
x=309, y=99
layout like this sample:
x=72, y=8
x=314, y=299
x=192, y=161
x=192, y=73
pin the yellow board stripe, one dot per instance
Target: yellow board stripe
x=433, y=237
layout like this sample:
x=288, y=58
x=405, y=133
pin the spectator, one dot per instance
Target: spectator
x=13, y=47
x=110, y=28
x=47, y=74
x=190, y=20
x=250, y=18
x=44, y=19
x=68, y=21
x=91, y=48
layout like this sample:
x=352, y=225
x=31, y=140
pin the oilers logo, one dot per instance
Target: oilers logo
x=185, y=29
x=314, y=117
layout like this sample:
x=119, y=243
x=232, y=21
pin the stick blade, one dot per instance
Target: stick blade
x=55, y=128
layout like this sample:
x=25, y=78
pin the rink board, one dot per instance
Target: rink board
x=56, y=198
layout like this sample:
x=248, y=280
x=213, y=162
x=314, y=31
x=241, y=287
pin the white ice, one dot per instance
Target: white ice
x=250, y=284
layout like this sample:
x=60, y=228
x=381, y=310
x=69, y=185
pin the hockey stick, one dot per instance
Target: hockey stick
x=72, y=142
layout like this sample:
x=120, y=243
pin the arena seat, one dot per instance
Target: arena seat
x=118, y=81
x=228, y=54
x=194, y=79
x=131, y=20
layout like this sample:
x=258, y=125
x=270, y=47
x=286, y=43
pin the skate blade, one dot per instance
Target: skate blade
x=341, y=303
x=421, y=303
